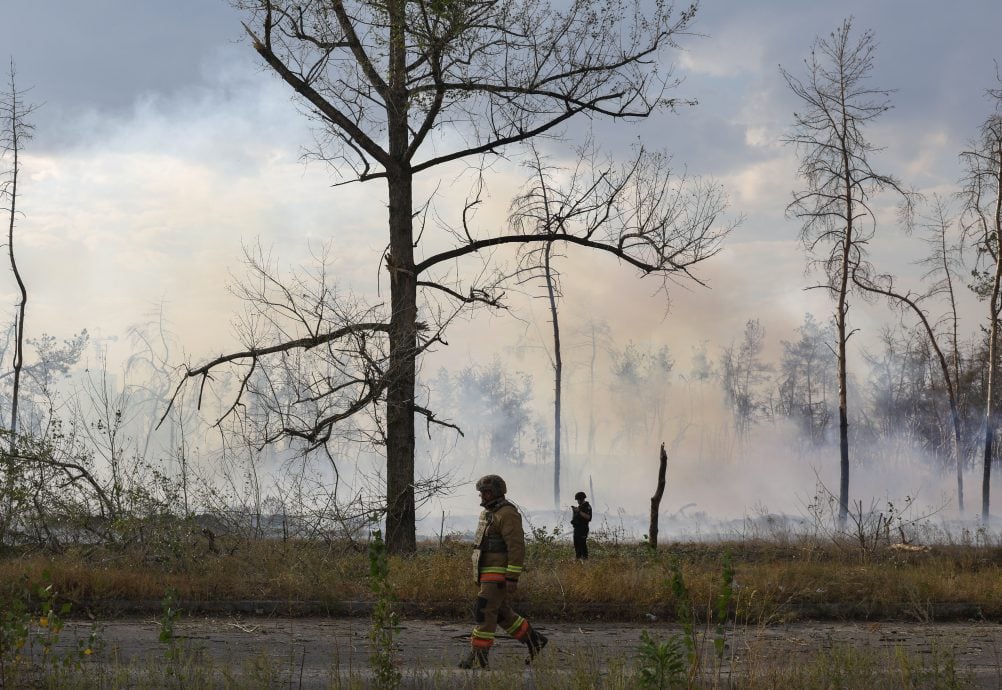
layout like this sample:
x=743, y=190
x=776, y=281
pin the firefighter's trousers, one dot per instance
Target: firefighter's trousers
x=492, y=610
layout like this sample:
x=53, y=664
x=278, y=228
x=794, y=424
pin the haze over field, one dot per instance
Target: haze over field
x=163, y=149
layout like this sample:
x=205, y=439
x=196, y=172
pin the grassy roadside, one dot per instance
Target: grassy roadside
x=707, y=590
x=773, y=581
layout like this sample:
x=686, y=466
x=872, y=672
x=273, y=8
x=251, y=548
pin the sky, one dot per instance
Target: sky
x=163, y=148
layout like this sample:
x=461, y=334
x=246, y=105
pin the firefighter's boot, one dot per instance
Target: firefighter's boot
x=476, y=658
x=535, y=642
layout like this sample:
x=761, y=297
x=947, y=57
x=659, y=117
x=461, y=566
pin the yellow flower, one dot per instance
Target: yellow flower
x=88, y=651
x=43, y=621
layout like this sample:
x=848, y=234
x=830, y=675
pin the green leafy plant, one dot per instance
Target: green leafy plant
x=683, y=610
x=724, y=599
x=387, y=676
x=168, y=616
x=661, y=664
x=32, y=622
x=15, y=626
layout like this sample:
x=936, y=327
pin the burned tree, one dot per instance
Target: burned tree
x=982, y=221
x=659, y=492
x=385, y=80
x=840, y=183
x=593, y=199
x=942, y=266
x=15, y=133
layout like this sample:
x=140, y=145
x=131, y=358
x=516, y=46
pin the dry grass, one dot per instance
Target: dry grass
x=773, y=581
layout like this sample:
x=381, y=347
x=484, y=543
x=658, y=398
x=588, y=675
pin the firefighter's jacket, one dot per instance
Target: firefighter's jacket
x=499, y=545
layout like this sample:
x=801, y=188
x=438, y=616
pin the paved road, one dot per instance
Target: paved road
x=309, y=652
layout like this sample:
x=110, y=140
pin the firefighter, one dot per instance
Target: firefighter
x=580, y=517
x=498, y=555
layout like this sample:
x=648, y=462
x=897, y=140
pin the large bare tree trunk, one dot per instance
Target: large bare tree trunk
x=400, y=511
x=656, y=498
x=383, y=88
x=400, y=517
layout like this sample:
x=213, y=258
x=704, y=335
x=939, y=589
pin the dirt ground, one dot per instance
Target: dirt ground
x=309, y=649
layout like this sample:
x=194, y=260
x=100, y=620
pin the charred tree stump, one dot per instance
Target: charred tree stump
x=656, y=499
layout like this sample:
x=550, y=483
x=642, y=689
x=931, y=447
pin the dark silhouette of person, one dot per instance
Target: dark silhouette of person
x=581, y=516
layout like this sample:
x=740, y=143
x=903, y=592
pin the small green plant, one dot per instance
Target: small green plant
x=723, y=605
x=50, y=617
x=661, y=664
x=168, y=616
x=544, y=536
x=683, y=609
x=33, y=621
x=15, y=625
x=387, y=676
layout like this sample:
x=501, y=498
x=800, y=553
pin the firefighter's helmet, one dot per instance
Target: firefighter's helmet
x=494, y=483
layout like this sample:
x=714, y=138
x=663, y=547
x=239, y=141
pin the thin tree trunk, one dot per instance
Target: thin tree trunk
x=955, y=364
x=558, y=368
x=19, y=319
x=843, y=336
x=995, y=307
x=843, y=403
x=990, y=390
x=656, y=498
x=591, y=396
x=948, y=379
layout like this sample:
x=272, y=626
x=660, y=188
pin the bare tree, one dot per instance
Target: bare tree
x=551, y=208
x=545, y=213
x=834, y=206
x=659, y=492
x=943, y=264
x=552, y=294
x=982, y=220
x=15, y=131
x=385, y=79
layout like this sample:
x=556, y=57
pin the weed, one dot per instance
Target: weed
x=683, y=610
x=661, y=664
x=724, y=604
x=31, y=625
x=543, y=544
x=166, y=634
x=387, y=676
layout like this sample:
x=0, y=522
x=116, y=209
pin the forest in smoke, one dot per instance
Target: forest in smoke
x=286, y=425
x=750, y=424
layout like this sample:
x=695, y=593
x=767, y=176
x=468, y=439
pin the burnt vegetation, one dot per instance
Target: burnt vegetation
x=226, y=476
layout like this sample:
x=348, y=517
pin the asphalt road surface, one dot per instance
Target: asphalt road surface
x=329, y=652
